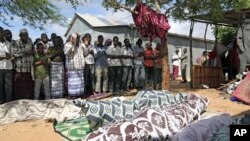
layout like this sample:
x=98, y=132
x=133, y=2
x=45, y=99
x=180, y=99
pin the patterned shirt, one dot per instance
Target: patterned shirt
x=114, y=51
x=41, y=71
x=89, y=59
x=23, y=61
x=74, y=56
x=127, y=52
x=55, y=54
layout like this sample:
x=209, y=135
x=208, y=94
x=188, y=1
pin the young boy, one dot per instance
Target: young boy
x=41, y=72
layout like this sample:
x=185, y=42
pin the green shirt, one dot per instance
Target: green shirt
x=41, y=71
x=55, y=54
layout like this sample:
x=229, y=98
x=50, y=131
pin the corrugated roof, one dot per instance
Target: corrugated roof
x=100, y=22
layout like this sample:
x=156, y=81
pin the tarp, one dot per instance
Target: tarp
x=243, y=90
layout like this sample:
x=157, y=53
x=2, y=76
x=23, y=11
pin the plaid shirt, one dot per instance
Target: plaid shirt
x=23, y=61
x=74, y=56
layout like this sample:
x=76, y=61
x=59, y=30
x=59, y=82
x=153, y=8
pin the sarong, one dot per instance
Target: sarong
x=57, y=79
x=75, y=82
x=23, y=86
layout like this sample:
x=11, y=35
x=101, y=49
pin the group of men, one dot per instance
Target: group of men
x=180, y=61
x=75, y=68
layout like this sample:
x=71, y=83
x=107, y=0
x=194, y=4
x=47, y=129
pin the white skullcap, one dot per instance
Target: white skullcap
x=24, y=30
x=74, y=35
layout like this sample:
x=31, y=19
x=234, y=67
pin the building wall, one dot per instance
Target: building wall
x=80, y=27
x=175, y=41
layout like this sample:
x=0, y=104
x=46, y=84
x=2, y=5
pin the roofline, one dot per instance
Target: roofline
x=70, y=25
x=204, y=18
x=187, y=37
x=76, y=15
x=113, y=26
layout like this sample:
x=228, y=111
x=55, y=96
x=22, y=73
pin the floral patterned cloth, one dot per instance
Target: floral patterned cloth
x=153, y=124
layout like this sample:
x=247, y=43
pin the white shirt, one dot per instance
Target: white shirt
x=114, y=51
x=5, y=64
x=176, y=62
x=127, y=52
x=89, y=59
x=138, y=60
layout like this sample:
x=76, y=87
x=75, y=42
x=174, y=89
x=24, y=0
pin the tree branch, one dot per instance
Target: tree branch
x=127, y=8
x=179, y=4
x=157, y=6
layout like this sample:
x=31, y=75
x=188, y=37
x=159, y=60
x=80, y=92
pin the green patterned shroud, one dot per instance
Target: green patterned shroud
x=73, y=129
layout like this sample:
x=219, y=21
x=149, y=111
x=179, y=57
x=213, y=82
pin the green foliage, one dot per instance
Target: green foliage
x=185, y=9
x=226, y=34
x=36, y=13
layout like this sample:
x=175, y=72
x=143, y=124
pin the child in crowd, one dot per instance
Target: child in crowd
x=41, y=72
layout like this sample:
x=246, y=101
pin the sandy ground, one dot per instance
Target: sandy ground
x=41, y=131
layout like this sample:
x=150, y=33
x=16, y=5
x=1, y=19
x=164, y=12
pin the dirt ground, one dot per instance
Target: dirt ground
x=41, y=131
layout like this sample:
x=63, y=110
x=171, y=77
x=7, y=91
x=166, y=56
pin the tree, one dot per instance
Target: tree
x=226, y=34
x=36, y=13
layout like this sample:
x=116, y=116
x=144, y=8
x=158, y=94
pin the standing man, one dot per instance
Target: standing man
x=56, y=59
x=176, y=64
x=23, y=53
x=75, y=66
x=203, y=59
x=184, y=60
x=6, y=69
x=8, y=36
x=89, y=73
x=149, y=65
x=52, y=39
x=139, y=54
x=101, y=67
x=157, y=67
x=114, y=54
x=127, y=56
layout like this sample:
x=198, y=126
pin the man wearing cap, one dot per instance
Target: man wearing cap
x=23, y=53
x=75, y=66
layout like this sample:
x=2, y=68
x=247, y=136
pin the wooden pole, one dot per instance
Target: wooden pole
x=191, y=52
x=165, y=65
x=164, y=53
x=205, y=39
